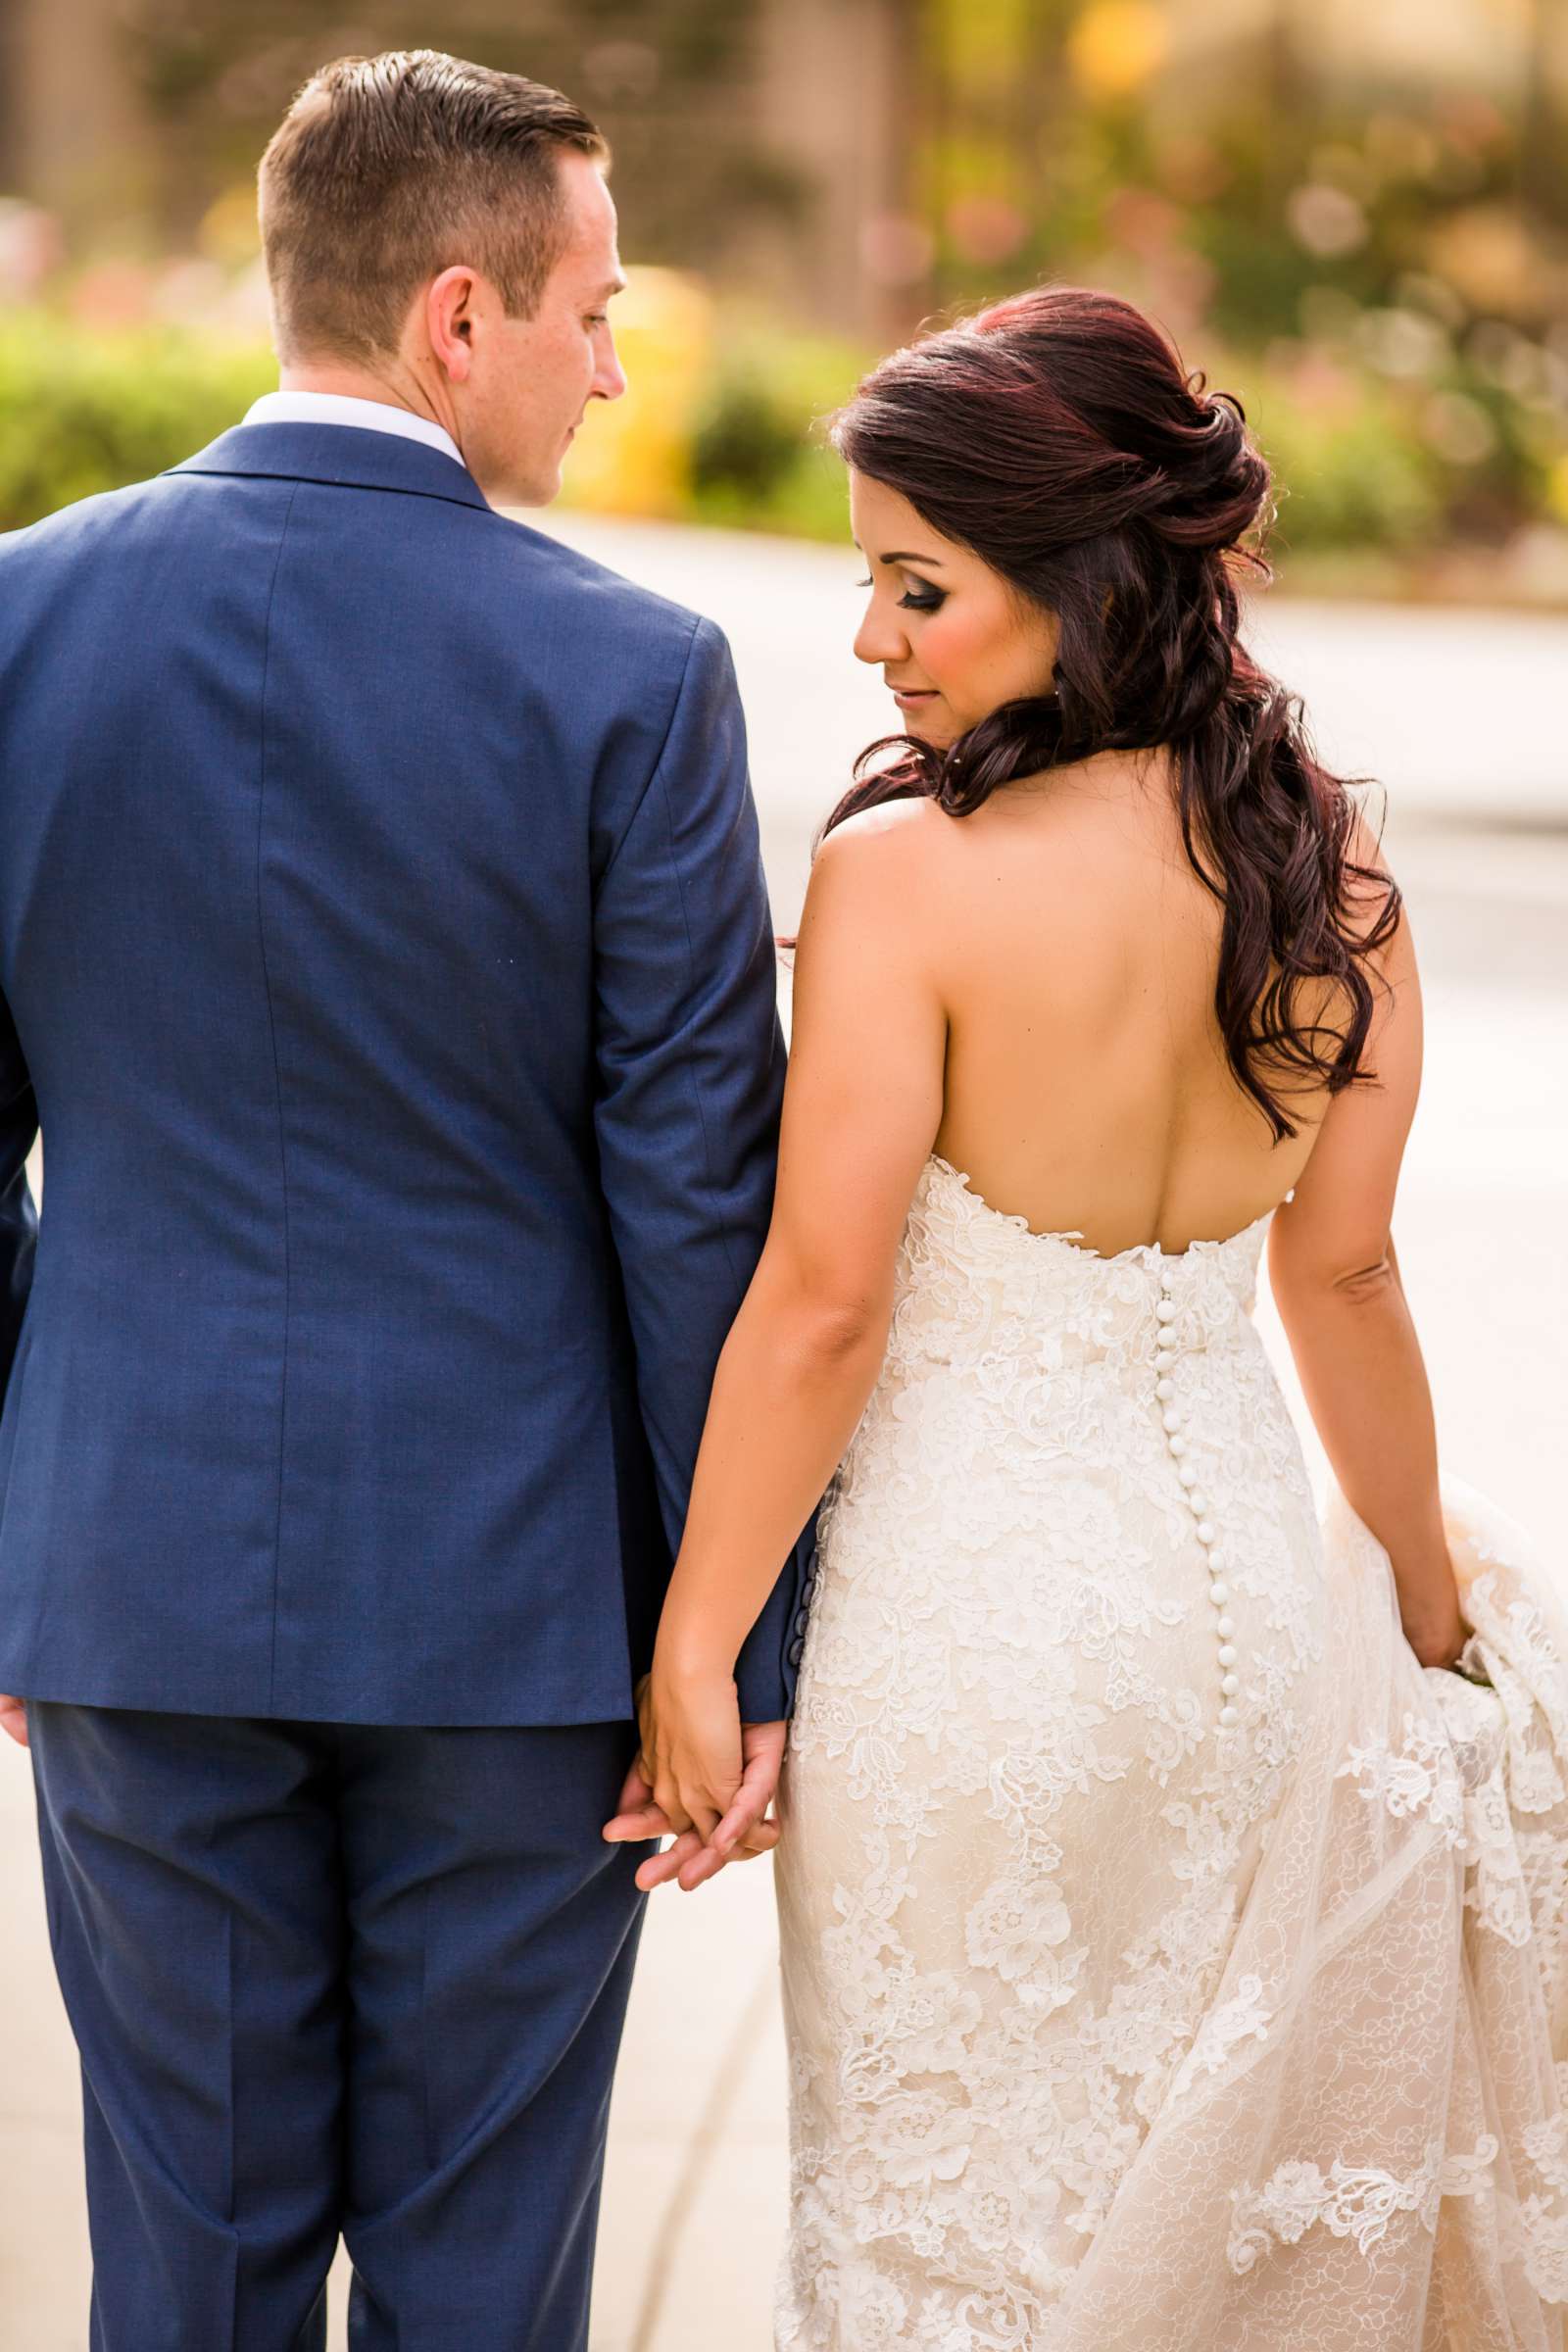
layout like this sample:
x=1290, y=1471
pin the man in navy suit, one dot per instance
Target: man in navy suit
x=385, y=954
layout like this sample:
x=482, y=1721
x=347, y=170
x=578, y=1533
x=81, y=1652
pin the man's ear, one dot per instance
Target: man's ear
x=449, y=314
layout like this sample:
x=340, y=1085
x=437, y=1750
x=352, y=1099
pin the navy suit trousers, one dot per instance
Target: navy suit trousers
x=338, y=1979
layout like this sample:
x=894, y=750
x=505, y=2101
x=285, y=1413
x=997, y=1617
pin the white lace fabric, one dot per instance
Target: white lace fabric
x=1110, y=2024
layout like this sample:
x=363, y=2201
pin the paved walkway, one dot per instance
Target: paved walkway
x=1459, y=715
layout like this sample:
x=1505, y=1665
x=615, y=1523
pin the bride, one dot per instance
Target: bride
x=1172, y=1893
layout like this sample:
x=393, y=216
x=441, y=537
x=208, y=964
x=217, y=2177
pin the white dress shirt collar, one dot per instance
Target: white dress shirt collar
x=341, y=408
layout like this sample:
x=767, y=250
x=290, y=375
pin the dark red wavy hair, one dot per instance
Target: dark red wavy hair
x=1058, y=436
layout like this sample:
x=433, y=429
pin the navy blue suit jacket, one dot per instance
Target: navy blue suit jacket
x=385, y=952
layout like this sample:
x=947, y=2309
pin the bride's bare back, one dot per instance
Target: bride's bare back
x=1051, y=511
x=1087, y=1087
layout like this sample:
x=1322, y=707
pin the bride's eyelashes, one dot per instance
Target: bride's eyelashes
x=930, y=601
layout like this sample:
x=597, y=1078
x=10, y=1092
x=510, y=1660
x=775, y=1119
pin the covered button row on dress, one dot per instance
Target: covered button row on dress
x=1196, y=1503
x=803, y=1617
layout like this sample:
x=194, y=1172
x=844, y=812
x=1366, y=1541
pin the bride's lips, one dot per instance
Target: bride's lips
x=909, y=698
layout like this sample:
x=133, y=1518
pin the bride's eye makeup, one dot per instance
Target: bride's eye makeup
x=929, y=600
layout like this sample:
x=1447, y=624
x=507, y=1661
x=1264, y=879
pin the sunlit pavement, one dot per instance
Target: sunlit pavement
x=1460, y=716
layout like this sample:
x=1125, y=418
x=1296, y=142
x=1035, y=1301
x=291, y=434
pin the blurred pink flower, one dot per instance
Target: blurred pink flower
x=111, y=294
x=986, y=229
x=186, y=291
x=895, y=250
x=31, y=248
x=1142, y=220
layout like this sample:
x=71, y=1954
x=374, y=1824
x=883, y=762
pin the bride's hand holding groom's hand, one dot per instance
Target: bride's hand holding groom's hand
x=689, y=1717
x=699, y=1774
x=805, y=1351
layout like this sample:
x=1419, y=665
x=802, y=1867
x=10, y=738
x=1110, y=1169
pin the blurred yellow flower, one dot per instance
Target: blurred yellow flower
x=1115, y=46
x=228, y=233
x=1557, y=489
x=633, y=455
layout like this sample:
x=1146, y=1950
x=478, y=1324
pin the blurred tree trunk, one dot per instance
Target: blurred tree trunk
x=1049, y=97
x=10, y=110
x=1286, y=84
x=1543, y=137
x=80, y=143
x=839, y=95
x=908, y=101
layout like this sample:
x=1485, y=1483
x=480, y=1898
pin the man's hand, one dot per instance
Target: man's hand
x=740, y=1836
x=14, y=1719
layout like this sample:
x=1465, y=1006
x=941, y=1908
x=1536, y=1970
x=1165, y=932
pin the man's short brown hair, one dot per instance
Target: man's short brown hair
x=388, y=170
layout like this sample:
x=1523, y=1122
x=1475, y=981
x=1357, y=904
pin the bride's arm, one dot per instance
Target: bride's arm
x=862, y=1103
x=1337, y=1285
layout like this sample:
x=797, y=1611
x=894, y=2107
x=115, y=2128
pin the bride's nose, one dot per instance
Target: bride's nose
x=879, y=639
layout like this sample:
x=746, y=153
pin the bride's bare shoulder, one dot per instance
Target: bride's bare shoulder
x=889, y=847
x=889, y=857
x=877, y=879
x=904, y=823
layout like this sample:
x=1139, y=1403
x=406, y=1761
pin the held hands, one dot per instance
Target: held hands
x=699, y=1774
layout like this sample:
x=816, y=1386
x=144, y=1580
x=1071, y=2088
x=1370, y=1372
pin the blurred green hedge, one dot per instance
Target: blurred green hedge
x=1368, y=492
x=759, y=452
x=84, y=410
x=1356, y=472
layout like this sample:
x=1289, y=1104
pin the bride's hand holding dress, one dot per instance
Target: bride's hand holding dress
x=1336, y=1282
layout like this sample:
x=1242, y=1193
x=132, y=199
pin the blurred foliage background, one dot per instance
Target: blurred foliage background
x=1354, y=216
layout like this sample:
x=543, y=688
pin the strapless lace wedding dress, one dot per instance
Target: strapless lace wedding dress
x=1171, y=1964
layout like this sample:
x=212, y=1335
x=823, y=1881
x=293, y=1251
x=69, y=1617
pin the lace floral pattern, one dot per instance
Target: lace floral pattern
x=1354, y=2201
x=1071, y=1961
x=1418, y=1776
